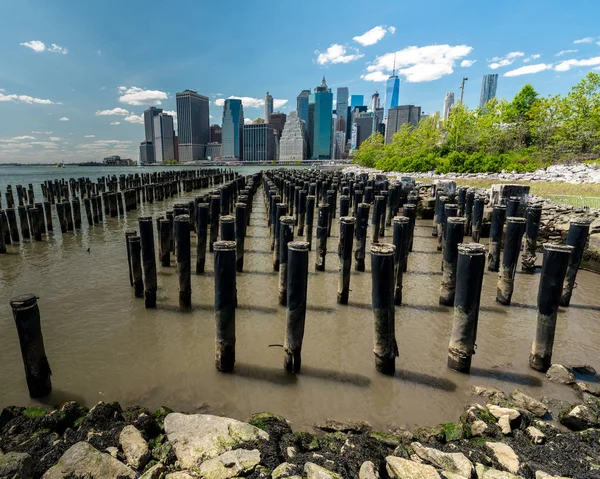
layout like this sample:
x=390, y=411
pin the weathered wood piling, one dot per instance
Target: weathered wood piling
x=322, y=229
x=225, y=304
x=184, y=263
x=532, y=227
x=577, y=238
x=148, y=260
x=496, y=233
x=345, y=253
x=286, y=236
x=455, y=230
x=401, y=239
x=297, y=284
x=515, y=227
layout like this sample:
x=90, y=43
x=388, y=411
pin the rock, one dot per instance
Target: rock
x=579, y=418
x=514, y=416
x=356, y=427
x=488, y=392
x=16, y=465
x=276, y=426
x=505, y=455
x=313, y=471
x=198, y=437
x=532, y=405
x=451, y=475
x=489, y=473
x=504, y=423
x=555, y=404
x=399, y=468
x=231, y=464
x=113, y=451
x=478, y=428
x=583, y=387
x=83, y=460
x=455, y=462
x=368, y=471
x=535, y=435
x=155, y=472
x=585, y=369
x=283, y=470
x=134, y=447
x=543, y=475
x=291, y=452
x=180, y=475
x=560, y=374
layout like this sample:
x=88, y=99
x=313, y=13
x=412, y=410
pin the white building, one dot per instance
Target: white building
x=164, y=146
x=292, y=146
x=448, y=103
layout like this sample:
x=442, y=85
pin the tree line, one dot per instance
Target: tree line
x=522, y=135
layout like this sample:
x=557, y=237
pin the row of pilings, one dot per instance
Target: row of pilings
x=293, y=201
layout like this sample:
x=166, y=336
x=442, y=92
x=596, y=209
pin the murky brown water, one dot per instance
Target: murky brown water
x=103, y=344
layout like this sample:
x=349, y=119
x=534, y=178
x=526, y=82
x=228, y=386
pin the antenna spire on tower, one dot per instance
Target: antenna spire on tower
x=394, y=69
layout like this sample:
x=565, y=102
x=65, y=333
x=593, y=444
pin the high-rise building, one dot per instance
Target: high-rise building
x=176, y=147
x=375, y=101
x=147, y=153
x=448, y=103
x=268, y=107
x=216, y=134
x=193, y=125
x=214, y=151
x=302, y=106
x=149, y=115
x=259, y=142
x=277, y=122
x=341, y=109
x=362, y=128
x=233, y=129
x=489, y=84
x=392, y=91
x=292, y=146
x=398, y=116
x=320, y=107
x=356, y=100
x=164, y=148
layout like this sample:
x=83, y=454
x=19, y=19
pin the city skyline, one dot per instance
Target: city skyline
x=72, y=90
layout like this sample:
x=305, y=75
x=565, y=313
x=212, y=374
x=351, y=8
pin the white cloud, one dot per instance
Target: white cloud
x=64, y=118
x=90, y=136
x=55, y=138
x=498, y=62
x=173, y=113
x=41, y=132
x=17, y=139
x=529, y=69
x=249, y=102
x=337, y=54
x=563, y=52
x=115, y=111
x=373, y=36
x=567, y=64
x=138, y=119
x=58, y=49
x=531, y=57
x=139, y=96
x=114, y=123
x=35, y=45
x=584, y=40
x=24, y=99
x=247, y=121
x=418, y=64
x=467, y=63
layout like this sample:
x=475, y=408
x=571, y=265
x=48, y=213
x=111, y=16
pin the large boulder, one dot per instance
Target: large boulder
x=399, y=468
x=134, y=447
x=532, y=405
x=313, y=471
x=454, y=462
x=198, y=437
x=505, y=455
x=15, y=465
x=355, y=427
x=155, y=472
x=83, y=460
x=368, y=471
x=489, y=392
x=579, y=418
x=484, y=472
x=560, y=374
x=231, y=464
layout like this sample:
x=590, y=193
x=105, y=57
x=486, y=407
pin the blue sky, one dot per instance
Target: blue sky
x=75, y=76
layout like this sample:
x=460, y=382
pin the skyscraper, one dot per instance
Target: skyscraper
x=302, y=107
x=268, y=107
x=147, y=153
x=164, y=146
x=375, y=101
x=292, y=146
x=215, y=134
x=259, y=142
x=320, y=111
x=398, y=116
x=448, y=103
x=193, y=125
x=341, y=109
x=356, y=100
x=363, y=126
x=489, y=84
x=149, y=115
x=392, y=91
x=233, y=129
x=277, y=122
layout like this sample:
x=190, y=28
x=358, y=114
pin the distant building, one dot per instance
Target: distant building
x=233, y=129
x=363, y=127
x=268, y=107
x=216, y=135
x=398, y=116
x=193, y=125
x=448, y=103
x=176, y=147
x=339, y=145
x=320, y=108
x=149, y=115
x=277, y=122
x=164, y=148
x=147, y=153
x=392, y=93
x=117, y=161
x=302, y=109
x=214, y=151
x=292, y=146
x=341, y=110
x=356, y=100
x=489, y=84
x=259, y=142
x=375, y=101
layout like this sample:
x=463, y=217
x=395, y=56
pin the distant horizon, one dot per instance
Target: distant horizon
x=72, y=90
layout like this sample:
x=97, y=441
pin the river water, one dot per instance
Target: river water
x=103, y=345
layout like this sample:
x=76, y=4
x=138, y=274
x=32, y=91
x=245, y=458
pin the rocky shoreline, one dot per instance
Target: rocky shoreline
x=497, y=437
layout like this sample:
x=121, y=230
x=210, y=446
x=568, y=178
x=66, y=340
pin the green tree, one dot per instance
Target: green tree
x=370, y=151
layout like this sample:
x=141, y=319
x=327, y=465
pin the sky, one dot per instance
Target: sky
x=75, y=77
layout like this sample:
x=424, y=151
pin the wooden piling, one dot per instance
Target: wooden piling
x=25, y=231
x=26, y=314
x=148, y=260
x=477, y=219
x=202, y=231
x=410, y=211
x=322, y=228
x=88, y=211
x=345, y=252
x=227, y=228
x=515, y=227
x=286, y=236
x=225, y=302
x=376, y=218
x=362, y=224
x=455, y=230
x=135, y=254
x=554, y=269
x=164, y=233
x=401, y=239
x=35, y=223
x=532, y=227
x=297, y=282
x=12, y=224
x=302, y=212
x=215, y=208
x=48, y=215
x=240, y=235
x=469, y=278
x=129, y=234
x=344, y=206
x=182, y=238
x=496, y=233
x=69, y=215
x=280, y=210
x=310, y=216
x=577, y=237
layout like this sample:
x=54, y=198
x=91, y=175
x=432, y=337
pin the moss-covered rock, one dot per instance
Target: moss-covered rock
x=427, y=434
x=275, y=425
x=453, y=431
x=33, y=412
